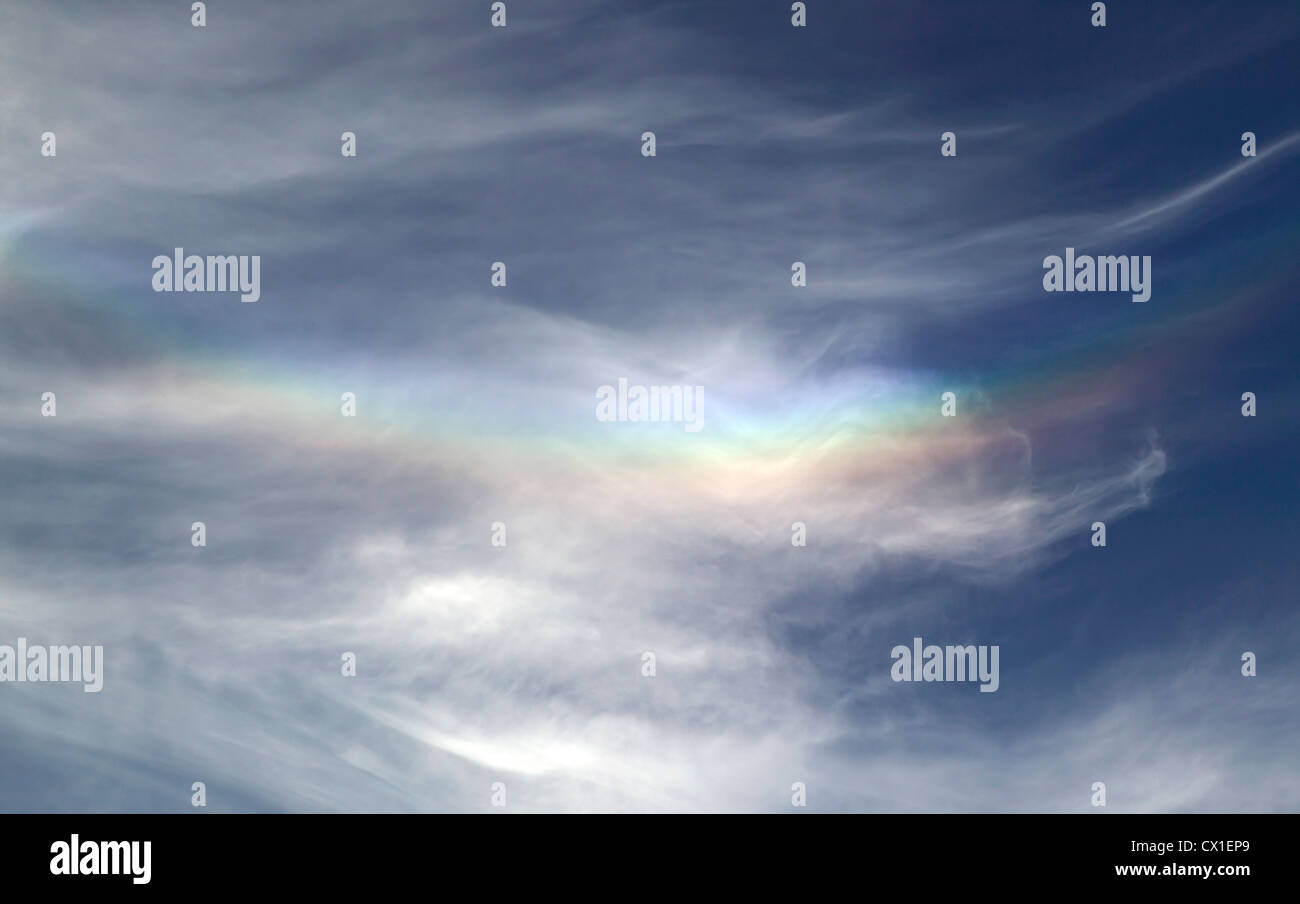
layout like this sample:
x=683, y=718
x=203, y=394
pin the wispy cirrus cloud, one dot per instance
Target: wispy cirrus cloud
x=522, y=663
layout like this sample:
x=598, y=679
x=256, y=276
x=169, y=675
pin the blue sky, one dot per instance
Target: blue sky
x=475, y=404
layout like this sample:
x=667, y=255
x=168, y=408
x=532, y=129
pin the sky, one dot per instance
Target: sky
x=524, y=663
